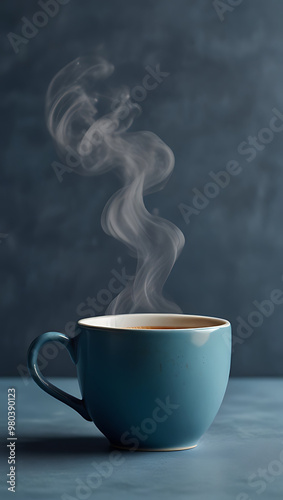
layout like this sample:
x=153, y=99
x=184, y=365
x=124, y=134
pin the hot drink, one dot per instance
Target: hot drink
x=155, y=327
x=171, y=382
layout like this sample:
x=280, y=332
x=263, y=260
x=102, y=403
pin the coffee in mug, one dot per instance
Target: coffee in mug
x=158, y=388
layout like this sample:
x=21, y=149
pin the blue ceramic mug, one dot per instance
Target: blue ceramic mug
x=148, y=381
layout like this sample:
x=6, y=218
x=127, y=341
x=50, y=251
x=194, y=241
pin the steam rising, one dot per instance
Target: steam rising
x=90, y=121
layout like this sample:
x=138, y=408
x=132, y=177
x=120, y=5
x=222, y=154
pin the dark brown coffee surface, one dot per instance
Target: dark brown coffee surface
x=157, y=327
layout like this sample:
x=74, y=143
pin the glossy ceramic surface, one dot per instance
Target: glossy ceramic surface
x=146, y=389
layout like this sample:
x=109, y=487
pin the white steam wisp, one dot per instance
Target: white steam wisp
x=92, y=125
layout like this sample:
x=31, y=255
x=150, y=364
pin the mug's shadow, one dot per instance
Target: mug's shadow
x=64, y=445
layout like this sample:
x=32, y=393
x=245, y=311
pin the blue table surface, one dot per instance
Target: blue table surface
x=59, y=455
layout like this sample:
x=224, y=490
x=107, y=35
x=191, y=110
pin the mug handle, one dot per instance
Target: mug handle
x=42, y=382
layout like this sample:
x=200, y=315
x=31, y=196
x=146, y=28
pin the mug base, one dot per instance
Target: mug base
x=153, y=449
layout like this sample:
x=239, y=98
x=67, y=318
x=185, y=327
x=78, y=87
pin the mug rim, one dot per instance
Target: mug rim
x=89, y=323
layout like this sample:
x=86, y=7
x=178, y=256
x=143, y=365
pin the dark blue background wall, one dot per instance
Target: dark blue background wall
x=225, y=80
